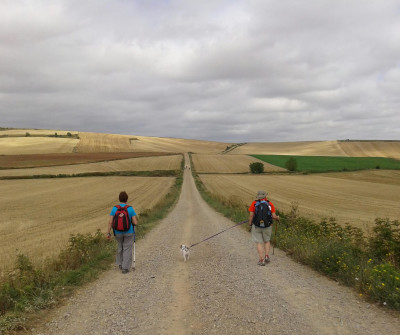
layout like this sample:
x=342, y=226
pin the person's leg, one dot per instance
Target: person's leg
x=127, y=251
x=260, y=250
x=119, y=255
x=257, y=237
x=267, y=246
x=266, y=235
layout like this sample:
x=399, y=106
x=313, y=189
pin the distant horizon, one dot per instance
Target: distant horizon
x=196, y=139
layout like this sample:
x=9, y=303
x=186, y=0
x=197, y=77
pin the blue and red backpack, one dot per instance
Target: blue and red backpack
x=121, y=220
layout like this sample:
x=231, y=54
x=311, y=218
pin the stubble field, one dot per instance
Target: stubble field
x=36, y=145
x=228, y=163
x=356, y=198
x=171, y=162
x=39, y=215
x=389, y=149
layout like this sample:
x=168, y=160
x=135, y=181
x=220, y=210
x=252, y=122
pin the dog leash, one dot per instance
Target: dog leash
x=240, y=223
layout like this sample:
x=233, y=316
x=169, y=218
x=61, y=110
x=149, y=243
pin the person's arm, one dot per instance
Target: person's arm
x=109, y=227
x=251, y=218
x=134, y=220
x=275, y=217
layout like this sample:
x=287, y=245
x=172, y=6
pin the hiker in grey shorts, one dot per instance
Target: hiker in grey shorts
x=123, y=258
x=262, y=236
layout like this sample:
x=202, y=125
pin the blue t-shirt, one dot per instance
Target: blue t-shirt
x=131, y=213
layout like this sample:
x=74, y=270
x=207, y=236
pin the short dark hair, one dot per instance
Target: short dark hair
x=123, y=196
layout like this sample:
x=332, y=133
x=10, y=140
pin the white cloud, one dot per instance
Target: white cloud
x=315, y=69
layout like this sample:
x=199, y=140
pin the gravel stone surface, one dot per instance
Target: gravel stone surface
x=220, y=290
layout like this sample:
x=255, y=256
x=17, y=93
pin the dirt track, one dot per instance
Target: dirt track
x=220, y=290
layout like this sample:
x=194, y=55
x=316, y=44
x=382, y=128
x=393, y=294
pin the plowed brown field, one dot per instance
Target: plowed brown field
x=38, y=216
x=133, y=164
x=37, y=160
x=204, y=163
x=356, y=198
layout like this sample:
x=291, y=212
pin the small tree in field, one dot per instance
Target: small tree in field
x=291, y=164
x=256, y=167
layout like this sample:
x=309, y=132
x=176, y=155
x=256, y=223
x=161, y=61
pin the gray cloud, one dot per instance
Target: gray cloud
x=221, y=70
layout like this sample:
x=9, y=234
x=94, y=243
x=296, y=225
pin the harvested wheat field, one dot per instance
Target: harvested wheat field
x=177, y=145
x=39, y=215
x=36, y=145
x=204, y=163
x=172, y=162
x=349, y=199
x=97, y=142
x=309, y=148
x=35, y=132
x=390, y=149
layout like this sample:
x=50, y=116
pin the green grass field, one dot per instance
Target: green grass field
x=329, y=163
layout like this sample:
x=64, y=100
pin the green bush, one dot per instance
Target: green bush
x=256, y=167
x=291, y=164
x=384, y=244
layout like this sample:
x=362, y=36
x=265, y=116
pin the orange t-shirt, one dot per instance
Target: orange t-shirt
x=252, y=207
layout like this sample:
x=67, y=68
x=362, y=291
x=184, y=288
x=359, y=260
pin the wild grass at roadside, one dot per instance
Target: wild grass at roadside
x=29, y=287
x=369, y=263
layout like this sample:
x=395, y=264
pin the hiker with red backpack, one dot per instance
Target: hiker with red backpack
x=123, y=221
x=262, y=213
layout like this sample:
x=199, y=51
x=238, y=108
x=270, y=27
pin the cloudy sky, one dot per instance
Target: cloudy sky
x=224, y=70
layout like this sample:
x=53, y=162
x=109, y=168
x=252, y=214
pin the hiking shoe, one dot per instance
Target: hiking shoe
x=125, y=271
x=261, y=262
x=120, y=267
x=267, y=260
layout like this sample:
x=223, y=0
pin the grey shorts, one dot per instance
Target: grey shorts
x=261, y=235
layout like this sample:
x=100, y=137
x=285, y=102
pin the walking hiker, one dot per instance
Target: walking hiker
x=262, y=214
x=122, y=221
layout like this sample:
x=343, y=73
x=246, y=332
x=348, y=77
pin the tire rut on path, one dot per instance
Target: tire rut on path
x=220, y=290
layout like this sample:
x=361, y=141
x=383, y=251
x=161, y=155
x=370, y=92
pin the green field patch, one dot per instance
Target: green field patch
x=332, y=163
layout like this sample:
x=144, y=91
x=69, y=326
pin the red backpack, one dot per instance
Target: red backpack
x=121, y=220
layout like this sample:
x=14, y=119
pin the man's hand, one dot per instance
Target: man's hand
x=108, y=236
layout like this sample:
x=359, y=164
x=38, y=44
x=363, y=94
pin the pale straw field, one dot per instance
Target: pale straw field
x=204, y=163
x=97, y=142
x=132, y=164
x=177, y=145
x=324, y=148
x=36, y=145
x=356, y=198
x=38, y=216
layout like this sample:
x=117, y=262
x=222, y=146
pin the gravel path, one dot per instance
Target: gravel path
x=220, y=290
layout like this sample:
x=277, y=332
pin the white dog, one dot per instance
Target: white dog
x=185, y=252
